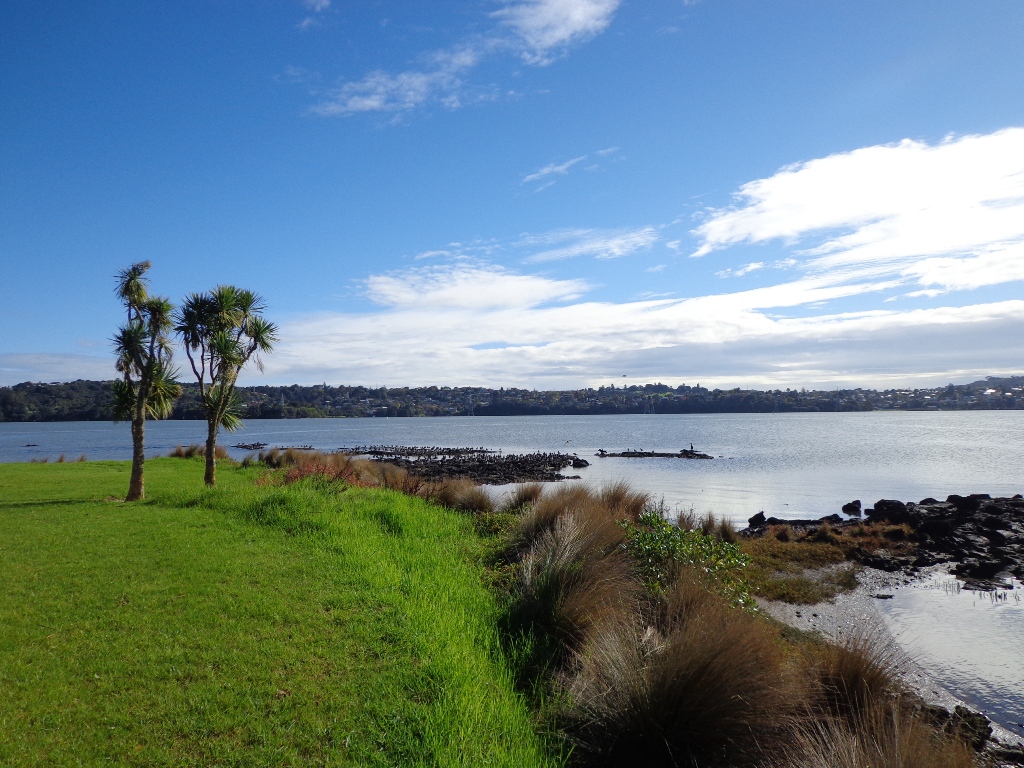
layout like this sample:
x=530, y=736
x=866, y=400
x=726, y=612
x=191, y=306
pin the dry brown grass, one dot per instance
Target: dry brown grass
x=193, y=450
x=460, y=493
x=572, y=580
x=525, y=495
x=708, y=524
x=851, y=678
x=705, y=688
x=887, y=737
x=622, y=501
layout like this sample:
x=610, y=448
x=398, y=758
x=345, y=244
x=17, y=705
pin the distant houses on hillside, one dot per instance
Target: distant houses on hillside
x=91, y=400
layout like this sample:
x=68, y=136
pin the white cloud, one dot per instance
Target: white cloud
x=384, y=92
x=601, y=244
x=906, y=219
x=553, y=168
x=542, y=30
x=741, y=271
x=465, y=286
x=549, y=26
x=485, y=326
x=16, y=368
x=948, y=216
x=316, y=6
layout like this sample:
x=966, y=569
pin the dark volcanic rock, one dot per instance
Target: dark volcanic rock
x=477, y=464
x=982, y=536
x=853, y=508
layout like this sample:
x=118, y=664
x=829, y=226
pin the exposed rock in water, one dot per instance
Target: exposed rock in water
x=983, y=537
x=478, y=464
x=685, y=453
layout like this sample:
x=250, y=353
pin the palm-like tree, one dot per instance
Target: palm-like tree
x=222, y=330
x=142, y=348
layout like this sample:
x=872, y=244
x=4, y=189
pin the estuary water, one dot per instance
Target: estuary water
x=788, y=465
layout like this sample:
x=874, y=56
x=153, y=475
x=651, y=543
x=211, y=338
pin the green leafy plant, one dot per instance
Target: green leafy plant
x=660, y=549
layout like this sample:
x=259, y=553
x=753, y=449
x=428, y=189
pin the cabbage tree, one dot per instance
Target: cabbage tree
x=222, y=331
x=142, y=349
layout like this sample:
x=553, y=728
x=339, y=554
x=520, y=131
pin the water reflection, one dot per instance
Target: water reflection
x=971, y=641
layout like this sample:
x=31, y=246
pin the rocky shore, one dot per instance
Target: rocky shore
x=981, y=537
x=478, y=464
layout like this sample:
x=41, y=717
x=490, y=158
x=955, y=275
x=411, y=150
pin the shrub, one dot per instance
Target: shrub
x=707, y=689
x=659, y=548
x=823, y=534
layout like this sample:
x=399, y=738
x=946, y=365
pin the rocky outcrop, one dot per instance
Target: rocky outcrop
x=982, y=537
x=478, y=464
x=685, y=453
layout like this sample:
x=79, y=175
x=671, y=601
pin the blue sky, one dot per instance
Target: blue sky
x=543, y=193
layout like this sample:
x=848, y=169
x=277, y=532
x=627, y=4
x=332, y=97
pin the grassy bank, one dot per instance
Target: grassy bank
x=249, y=625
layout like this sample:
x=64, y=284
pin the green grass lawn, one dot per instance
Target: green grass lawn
x=244, y=626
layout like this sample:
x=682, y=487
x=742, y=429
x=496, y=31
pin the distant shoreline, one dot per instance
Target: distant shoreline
x=92, y=400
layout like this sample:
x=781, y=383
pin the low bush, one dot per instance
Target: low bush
x=659, y=548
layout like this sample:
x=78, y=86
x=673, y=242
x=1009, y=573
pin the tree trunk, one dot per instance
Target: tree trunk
x=211, y=453
x=137, y=484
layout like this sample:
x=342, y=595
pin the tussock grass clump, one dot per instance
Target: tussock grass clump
x=704, y=688
x=525, y=495
x=721, y=528
x=461, y=493
x=193, y=450
x=851, y=678
x=572, y=579
x=622, y=501
x=883, y=738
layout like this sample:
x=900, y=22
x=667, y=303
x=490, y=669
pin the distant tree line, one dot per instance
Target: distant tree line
x=93, y=400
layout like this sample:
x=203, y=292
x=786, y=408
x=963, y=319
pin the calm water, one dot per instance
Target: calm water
x=788, y=465
x=972, y=641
